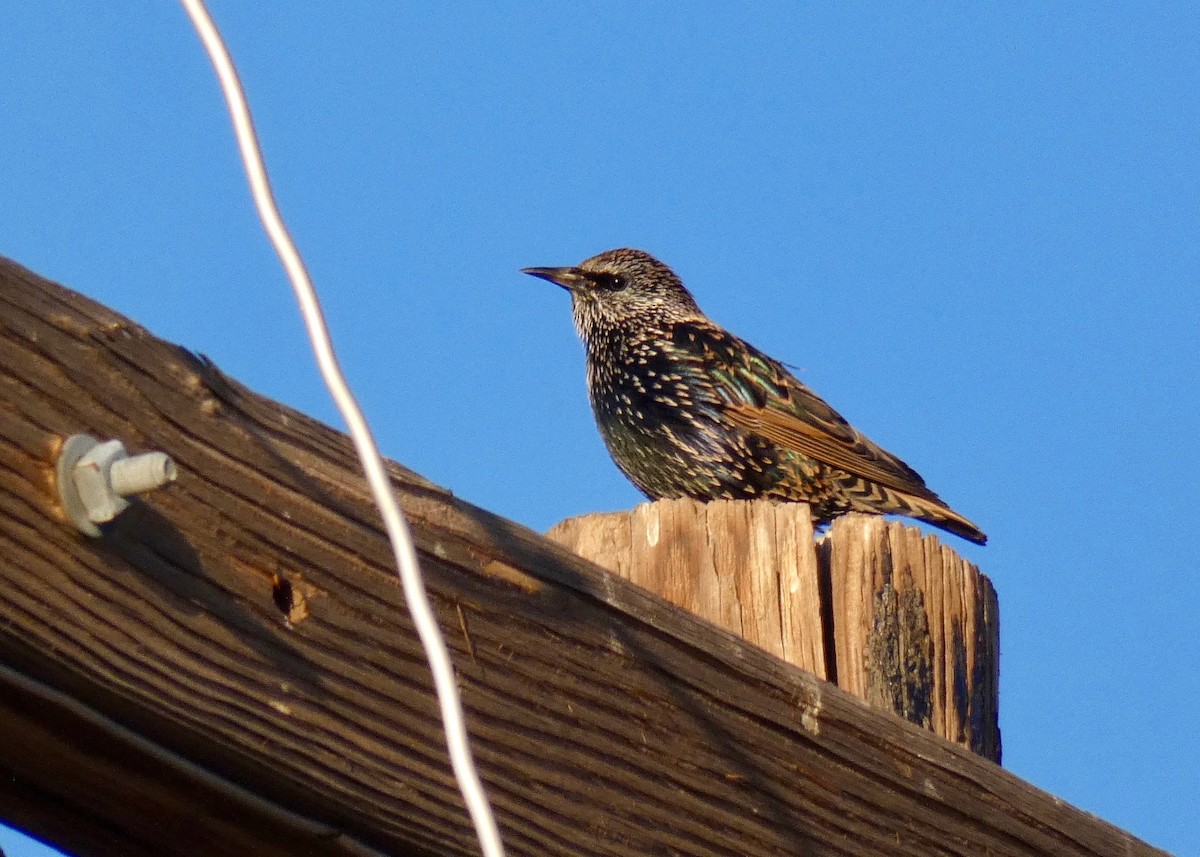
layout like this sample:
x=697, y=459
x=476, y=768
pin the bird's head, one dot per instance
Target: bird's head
x=622, y=290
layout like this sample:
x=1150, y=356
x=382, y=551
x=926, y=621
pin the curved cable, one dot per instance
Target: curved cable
x=406, y=560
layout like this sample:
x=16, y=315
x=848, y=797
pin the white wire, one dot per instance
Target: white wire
x=406, y=559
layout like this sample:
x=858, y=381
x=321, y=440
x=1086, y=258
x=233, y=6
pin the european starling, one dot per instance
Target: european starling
x=687, y=409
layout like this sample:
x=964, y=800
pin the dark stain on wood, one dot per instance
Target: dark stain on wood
x=899, y=656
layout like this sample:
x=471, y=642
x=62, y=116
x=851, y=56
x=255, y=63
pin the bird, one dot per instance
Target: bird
x=688, y=409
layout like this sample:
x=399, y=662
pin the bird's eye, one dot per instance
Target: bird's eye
x=609, y=282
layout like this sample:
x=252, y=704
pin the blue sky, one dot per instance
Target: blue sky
x=973, y=229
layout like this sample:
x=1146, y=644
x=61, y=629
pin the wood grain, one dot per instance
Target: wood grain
x=157, y=699
x=916, y=629
x=895, y=618
x=748, y=567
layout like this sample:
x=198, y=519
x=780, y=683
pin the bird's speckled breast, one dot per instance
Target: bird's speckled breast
x=661, y=424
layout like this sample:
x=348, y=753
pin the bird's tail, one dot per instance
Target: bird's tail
x=942, y=516
x=874, y=498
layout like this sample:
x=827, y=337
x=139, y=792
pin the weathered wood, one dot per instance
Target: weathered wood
x=748, y=567
x=895, y=618
x=158, y=666
x=916, y=629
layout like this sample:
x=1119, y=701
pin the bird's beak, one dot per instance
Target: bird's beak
x=568, y=278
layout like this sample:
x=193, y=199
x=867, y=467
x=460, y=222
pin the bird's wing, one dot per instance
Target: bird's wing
x=759, y=396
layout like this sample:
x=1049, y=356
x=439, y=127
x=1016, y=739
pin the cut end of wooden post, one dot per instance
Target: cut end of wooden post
x=893, y=616
x=748, y=567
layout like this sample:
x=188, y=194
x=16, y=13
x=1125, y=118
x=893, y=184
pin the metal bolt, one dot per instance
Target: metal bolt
x=95, y=478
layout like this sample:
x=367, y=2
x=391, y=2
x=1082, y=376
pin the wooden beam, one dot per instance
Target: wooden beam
x=233, y=659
